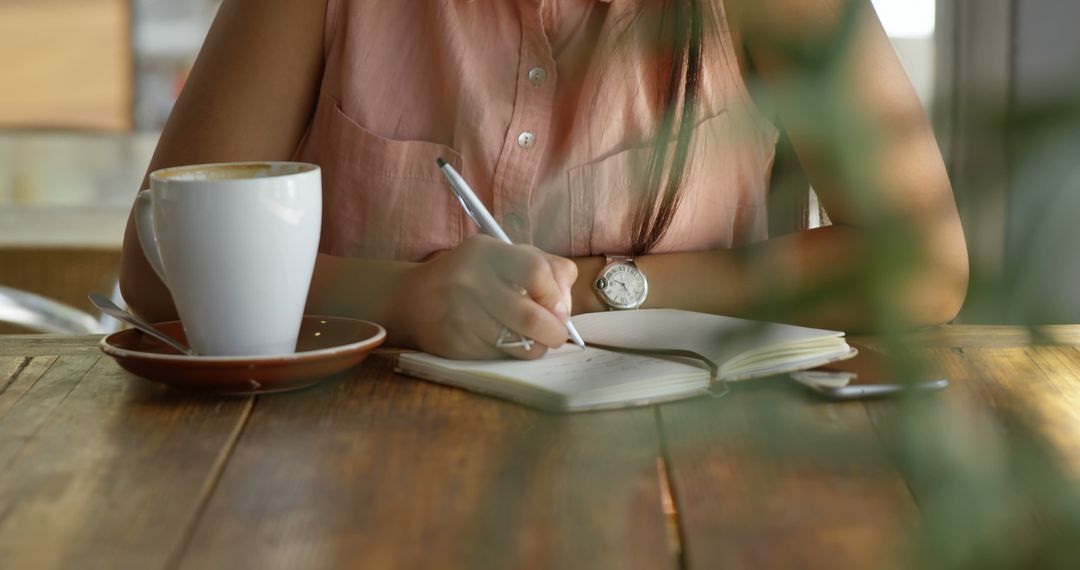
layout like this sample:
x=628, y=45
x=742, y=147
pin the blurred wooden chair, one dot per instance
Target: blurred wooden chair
x=44, y=288
x=37, y=314
x=43, y=315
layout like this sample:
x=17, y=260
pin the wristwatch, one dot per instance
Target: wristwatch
x=621, y=283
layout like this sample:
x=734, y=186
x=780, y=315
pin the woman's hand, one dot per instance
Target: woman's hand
x=457, y=303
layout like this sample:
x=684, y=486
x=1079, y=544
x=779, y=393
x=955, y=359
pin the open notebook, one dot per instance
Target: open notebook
x=571, y=379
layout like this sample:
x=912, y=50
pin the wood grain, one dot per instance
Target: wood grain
x=99, y=469
x=30, y=345
x=10, y=366
x=383, y=471
x=989, y=336
x=45, y=389
x=997, y=453
x=1036, y=385
x=103, y=470
x=770, y=477
x=21, y=374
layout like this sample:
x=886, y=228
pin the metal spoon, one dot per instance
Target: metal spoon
x=109, y=308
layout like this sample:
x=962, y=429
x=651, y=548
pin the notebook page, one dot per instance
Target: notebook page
x=716, y=337
x=571, y=371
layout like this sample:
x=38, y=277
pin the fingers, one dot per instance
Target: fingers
x=469, y=294
x=528, y=268
x=565, y=273
x=480, y=341
x=532, y=352
x=515, y=344
x=521, y=314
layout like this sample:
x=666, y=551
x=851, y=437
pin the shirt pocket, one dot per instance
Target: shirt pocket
x=721, y=204
x=382, y=198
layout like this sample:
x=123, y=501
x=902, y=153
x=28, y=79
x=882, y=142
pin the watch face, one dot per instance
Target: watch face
x=623, y=286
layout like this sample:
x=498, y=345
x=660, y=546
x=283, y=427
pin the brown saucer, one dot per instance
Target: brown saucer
x=326, y=346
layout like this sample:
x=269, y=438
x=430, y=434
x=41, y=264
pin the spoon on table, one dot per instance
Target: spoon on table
x=109, y=308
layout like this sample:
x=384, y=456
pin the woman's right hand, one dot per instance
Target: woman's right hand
x=456, y=304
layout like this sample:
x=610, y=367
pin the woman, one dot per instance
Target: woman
x=591, y=129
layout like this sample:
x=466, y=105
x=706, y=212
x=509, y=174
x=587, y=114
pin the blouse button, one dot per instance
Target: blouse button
x=526, y=139
x=514, y=222
x=537, y=75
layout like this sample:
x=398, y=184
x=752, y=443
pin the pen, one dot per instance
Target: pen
x=476, y=210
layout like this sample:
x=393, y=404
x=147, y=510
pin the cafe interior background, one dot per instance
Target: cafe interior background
x=86, y=85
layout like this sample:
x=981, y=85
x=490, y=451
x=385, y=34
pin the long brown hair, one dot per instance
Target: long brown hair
x=681, y=69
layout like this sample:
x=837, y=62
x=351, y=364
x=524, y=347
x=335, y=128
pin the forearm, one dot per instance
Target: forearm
x=762, y=280
x=359, y=288
x=823, y=278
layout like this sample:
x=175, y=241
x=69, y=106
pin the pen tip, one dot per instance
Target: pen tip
x=441, y=162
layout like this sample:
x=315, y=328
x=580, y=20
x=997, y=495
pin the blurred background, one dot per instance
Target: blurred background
x=88, y=84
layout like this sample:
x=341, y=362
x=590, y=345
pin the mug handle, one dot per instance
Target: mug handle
x=144, y=226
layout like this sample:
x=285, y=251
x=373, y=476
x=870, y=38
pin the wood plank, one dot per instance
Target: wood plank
x=48, y=345
x=21, y=378
x=771, y=477
x=32, y=409
x=107, y=471
x=64, y=273
x=994, y=459
x=997, y=336
x=10, y=366
x=386, y=471
x=942, y=444
x=1038, y=385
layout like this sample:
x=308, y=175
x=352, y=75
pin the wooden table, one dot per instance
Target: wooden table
x=104, y=470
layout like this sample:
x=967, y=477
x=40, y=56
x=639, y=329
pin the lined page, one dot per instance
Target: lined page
x=570, y=370
x=572, y=378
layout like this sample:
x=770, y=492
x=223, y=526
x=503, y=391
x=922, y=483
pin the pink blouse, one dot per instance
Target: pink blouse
x=546, y=107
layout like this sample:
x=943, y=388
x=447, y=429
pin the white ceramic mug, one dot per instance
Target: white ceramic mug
x=236, y=245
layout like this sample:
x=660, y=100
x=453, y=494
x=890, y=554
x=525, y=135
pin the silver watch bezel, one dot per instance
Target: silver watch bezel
x=611, y=303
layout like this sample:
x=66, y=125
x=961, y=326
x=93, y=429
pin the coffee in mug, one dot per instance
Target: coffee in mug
x=236, y=244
